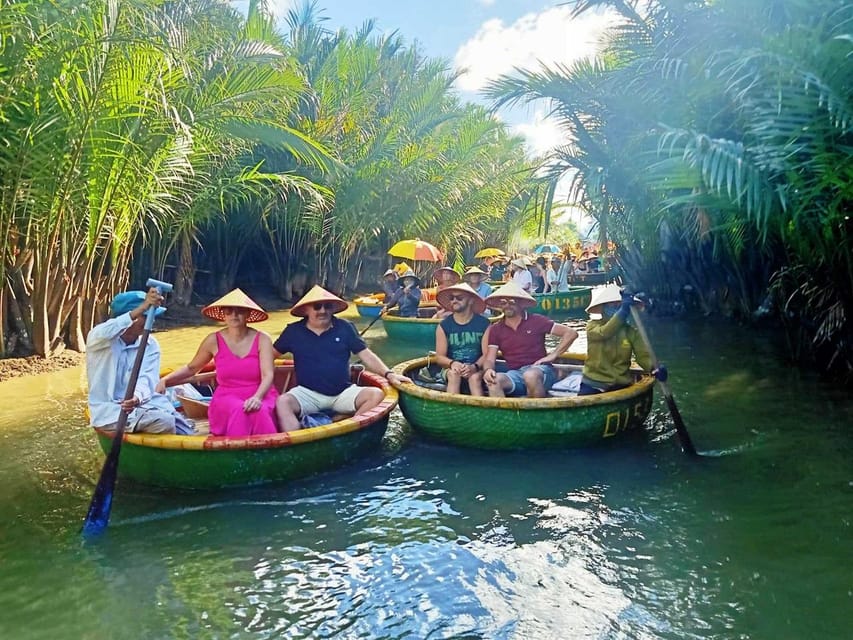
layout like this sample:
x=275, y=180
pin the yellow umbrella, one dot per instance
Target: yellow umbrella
x=489, y=252
x=416, y=250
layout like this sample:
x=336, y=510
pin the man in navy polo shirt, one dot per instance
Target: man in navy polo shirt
x=321, y=345
x=520, y=337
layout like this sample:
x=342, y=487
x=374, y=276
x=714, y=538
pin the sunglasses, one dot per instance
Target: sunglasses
x=506, y=302
x=323, y=305
x=237, y=311
x=459, y=298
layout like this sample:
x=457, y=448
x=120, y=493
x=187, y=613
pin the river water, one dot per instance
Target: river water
x=630, y=540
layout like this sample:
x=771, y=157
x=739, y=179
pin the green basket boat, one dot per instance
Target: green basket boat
x=420, y=330
x=210, y=462
x=523, y=423
x=571, y=303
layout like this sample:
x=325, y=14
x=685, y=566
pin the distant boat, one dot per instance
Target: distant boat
x=571, y=303
x=371, y=306
x=595, y=278
x=419, y=330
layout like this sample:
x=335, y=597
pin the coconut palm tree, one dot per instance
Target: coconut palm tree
x=711, y=138
x=124, y=118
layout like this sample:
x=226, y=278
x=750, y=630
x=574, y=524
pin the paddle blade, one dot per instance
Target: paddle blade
x=98, y=516
x=680, y=428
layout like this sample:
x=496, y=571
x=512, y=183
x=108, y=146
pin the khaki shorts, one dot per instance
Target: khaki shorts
x=313, y=402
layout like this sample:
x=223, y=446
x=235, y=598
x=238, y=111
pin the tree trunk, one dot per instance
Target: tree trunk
x=183, y=291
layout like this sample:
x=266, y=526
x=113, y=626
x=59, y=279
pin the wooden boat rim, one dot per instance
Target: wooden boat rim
x=640, y=387
x=271, y=441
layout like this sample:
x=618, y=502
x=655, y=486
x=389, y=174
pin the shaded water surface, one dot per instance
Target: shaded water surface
x=631, y=540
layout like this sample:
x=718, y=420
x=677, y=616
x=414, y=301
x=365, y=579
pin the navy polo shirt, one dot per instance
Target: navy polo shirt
x=321, y=361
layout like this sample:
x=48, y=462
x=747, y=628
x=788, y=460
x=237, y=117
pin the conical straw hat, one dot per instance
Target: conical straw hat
x=474, y=271
x=439, y=274
x=411, y=274
x=317, y=294
x=603, y=295
x=235, y=298
x=519, y=262
x=510, y=290
x=443, y=296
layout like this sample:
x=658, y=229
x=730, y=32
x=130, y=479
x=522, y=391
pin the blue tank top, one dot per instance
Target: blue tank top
x=464, y=341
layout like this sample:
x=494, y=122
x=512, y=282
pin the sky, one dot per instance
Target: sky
x=486, y=38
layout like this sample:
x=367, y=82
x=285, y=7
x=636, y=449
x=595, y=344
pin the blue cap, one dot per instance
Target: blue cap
x=128, y=301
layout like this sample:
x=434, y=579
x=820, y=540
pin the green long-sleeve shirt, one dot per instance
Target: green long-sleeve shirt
x=610, y=344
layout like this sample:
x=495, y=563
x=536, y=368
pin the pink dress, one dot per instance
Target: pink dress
x=237, y=379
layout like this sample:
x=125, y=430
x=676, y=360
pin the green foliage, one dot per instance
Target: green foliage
x=122, y=120
x=712, y=141
x=160, y=137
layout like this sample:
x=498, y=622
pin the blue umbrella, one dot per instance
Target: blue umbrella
x=546, y=248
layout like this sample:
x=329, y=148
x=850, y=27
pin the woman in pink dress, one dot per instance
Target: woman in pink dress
x=243, y=402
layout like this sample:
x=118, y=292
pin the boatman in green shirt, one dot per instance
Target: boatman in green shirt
x=611, y=341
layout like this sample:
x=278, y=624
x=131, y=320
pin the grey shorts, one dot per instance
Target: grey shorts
x=313, y=402
x=516, y=376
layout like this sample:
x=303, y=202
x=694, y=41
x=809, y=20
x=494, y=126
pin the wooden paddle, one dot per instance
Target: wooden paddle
x=371, y=323
x=680, y=428
x=98, y=516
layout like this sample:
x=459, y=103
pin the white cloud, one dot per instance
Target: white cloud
x=549, y=36
x=279, y=8
x=540, y=133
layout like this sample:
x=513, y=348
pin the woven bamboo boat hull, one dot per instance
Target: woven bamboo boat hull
x=571, y=303
x=420, y=331
x=371, y=306
x=211, y=462
x=523, y=423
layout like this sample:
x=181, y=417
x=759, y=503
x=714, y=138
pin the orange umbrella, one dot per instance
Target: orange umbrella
x=416, y=250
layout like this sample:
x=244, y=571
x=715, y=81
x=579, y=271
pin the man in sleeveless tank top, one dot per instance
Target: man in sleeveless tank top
x=459, y=339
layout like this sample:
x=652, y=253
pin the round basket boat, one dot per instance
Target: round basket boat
x=370, y=306
x=420, y=330
x=207, y=462
x=523, y=423
x=571, y=303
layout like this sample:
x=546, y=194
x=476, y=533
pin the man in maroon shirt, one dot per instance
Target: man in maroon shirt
x=520, y=337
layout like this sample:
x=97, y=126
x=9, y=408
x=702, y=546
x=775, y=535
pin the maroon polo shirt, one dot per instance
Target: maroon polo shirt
x=522, y=346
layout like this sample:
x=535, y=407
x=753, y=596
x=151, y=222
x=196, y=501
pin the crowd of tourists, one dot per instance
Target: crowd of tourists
x=467, y=345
